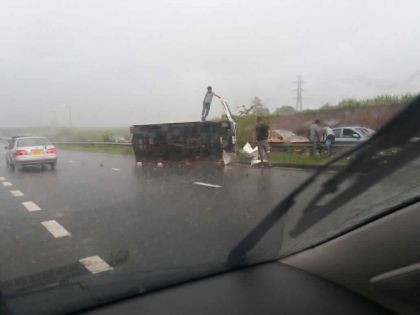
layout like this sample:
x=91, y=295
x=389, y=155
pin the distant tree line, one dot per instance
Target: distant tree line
x=258, y=108
x=381, y=100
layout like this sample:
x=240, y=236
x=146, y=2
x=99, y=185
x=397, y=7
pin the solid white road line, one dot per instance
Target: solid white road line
x=31, y=206
x=206, y=184
x=55, y=228
x=6, y=184
x=2, y=179
x=16, y=193
x=115, y=169
x=95, y=264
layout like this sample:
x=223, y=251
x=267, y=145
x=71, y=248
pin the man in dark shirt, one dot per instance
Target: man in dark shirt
x=315, y=136
x=261, y=133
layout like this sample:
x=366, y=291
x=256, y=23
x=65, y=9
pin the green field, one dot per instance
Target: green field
x=100, y=134
x=124, y=150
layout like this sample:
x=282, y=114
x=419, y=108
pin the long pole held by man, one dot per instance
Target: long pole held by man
x=208, y=97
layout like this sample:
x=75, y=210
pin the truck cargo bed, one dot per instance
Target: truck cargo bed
x=177, y=141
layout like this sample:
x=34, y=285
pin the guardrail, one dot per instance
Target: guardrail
x=275, y=147
x=91, y=143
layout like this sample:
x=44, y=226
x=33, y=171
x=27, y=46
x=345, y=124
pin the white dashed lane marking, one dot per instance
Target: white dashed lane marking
x=95, y=264
x=115, y=169
x=71, y=162
x=2, y=179
x=31, y=206
x=55, y=228
x=16, y=193
x=207, y=185
x=6, y=184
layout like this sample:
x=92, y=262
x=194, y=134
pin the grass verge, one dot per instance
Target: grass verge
x=294, y=158
x=275, y=157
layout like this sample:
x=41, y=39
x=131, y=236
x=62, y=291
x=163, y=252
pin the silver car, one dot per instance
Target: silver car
x=352, y=134
x=30, y=151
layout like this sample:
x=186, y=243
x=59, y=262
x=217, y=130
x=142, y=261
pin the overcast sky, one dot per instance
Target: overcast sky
x=119, y=62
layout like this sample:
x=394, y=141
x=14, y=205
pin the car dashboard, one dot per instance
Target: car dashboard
x=270, y=288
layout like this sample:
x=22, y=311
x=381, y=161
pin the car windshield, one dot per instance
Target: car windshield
x=282, y=133
x=141, y=140
x=32, y=142
x=287, y=134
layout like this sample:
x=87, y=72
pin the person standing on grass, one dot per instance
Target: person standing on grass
x=328, y=138
x=315, y=135
x=208, y=97
x=261, y=134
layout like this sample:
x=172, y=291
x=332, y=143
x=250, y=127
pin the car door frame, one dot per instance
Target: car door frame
x=340, y=137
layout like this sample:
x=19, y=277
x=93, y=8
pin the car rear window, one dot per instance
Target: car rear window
x=363, y=131
x=30, y=142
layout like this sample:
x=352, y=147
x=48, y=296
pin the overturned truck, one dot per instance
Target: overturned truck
x=178, y=141
x=210, y=140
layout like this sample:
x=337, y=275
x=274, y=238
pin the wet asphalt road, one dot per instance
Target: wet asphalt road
x=134, y=219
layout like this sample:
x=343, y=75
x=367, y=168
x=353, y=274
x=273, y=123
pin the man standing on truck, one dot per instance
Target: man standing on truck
x=261, y=134
x=207, y=102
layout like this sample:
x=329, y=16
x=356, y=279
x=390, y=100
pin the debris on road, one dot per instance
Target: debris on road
x=252, y=153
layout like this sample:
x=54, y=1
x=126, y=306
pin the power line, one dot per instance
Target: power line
x=299, y=104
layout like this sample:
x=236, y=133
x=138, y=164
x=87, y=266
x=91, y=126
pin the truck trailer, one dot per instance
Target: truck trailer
x=210, y=140
x=188, y=140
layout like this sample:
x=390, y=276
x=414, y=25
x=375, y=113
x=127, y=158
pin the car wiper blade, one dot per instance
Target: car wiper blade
x=40, y=281
x=364, y=158
x=52, y=277
x=366, y=176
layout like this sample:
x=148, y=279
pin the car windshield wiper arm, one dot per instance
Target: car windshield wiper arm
x=375, y=172
x=396, y=133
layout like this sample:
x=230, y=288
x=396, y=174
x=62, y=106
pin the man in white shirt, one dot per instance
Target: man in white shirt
x=207, y=102
x=328, y=138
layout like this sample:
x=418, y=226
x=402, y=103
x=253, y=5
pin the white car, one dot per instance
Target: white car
x=352, y=134
x=30, y=151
